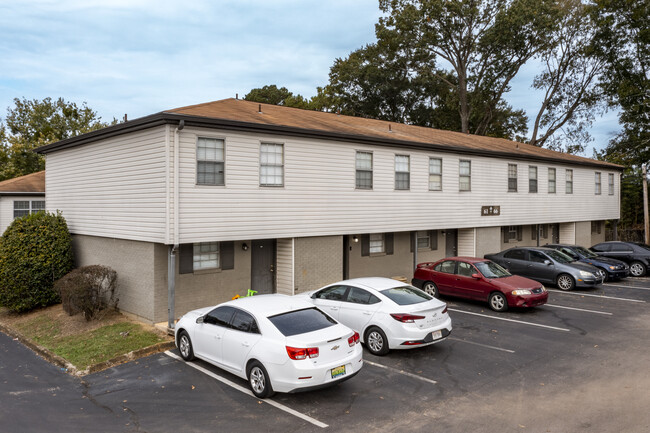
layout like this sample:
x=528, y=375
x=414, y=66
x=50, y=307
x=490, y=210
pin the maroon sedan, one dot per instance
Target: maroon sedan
x=480, y=279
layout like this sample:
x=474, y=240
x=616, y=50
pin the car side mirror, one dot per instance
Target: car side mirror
x=200, y=319
x=548, y=262
x=476, y=276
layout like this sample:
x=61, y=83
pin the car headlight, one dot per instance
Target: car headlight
x=585, y=274
x=543, y=289
x=520, y=292
x=613, y=267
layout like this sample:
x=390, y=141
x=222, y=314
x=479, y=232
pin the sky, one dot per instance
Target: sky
x=139, y=57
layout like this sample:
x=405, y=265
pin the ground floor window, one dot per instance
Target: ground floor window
x=25, y=207
x=377, y=245
x=511, y=233
x=596, y=227
x=206, y=255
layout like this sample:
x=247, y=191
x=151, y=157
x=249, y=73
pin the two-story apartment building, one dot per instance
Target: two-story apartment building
x=21, y=196
x=194, y=205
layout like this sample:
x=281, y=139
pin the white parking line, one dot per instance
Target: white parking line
x=578, y=309
x=482, y=345
x=594, y=296
x=512, y=320
x=248, y=392
x=397, y=370
x=624, y=287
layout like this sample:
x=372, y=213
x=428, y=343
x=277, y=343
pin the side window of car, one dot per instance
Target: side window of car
x=244, y=322
x=360, y=296
x=602, y=247
x=620, y=248
x=448, y=267
x=334, y=293
x=515, y=254
x=465, y=269
x=537, y=257
x=220, y=316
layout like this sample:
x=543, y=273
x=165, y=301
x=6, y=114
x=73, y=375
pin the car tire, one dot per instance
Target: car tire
x=565, y=282
x=259, y=381
x=185, y=346
x=430, y=288
x=637, y=269
x=498, y=301
x=604, y=274
x=376, y=341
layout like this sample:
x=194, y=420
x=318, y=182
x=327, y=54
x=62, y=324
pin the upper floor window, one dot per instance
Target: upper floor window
x=271, y=164
x=465, y=175
x=512, y=177
x=25, y=207
x=402, y=172
x=209, y=161
x=569, y=181
x=435, y=174
x=597, y=182
x=551, y=181
x=611, y=183
x=206, y=255
x=364, y=170
x=532, y=178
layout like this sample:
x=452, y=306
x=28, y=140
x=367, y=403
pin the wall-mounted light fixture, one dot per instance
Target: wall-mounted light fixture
x=355, y=238
x=244, y=246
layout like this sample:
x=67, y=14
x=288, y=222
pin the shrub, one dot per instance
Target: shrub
x=35, y=251
x=89, y=290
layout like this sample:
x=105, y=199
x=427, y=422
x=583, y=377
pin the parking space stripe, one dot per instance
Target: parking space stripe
x=248, y=392
x=578, y=309
x=511, y=320
x=482, y=345
x=595, y=296
x=624, y=287
x=397, y=370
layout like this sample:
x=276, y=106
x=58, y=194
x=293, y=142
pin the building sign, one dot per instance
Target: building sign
x=490, y=210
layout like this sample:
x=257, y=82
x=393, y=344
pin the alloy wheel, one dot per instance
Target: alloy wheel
x=184, y=346
x=636, y=269
x=375, y=341
x=258, y=381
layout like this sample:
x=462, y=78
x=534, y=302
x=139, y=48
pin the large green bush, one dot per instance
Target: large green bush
x=35, y=251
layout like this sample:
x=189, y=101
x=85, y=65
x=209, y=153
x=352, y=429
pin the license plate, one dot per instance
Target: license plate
x=338, y=371
x=436, y=335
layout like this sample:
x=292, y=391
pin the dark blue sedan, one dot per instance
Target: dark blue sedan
x=610, y=269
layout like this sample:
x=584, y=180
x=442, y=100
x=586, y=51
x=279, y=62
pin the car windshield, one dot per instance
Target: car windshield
x=406, y=295
x=585, y=252
x=301, y=321
x=559, y=256
x=491, y=270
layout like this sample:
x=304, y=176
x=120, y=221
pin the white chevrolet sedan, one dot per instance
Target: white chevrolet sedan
x=277, y=342
x=388, y=314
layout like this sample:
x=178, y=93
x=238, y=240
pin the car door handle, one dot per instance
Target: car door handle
x=245, y=344
x=334, y=308
x=217, y=337
x=367, y=313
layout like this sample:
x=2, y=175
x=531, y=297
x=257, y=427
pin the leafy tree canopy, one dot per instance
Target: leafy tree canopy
x=271, y=94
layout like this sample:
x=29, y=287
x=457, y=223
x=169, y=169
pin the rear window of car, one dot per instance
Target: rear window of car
x=406, y=295
x=301, y=321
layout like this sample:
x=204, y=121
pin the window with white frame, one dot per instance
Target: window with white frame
x=364, y=170
x=206, y=256
x=209, y=161
x=402, y=172
x=597, y=182
x=377, y=243
x=610, y=188
x=532, y=178
x=464, y=175
x=435, y=174
x=26, y=207
x=551, y=181
x=512, y=177
x=424, y=240
x=569, y=181
x=271, y=164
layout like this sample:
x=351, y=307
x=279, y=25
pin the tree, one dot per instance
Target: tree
x=277, y=96
x=34, y=123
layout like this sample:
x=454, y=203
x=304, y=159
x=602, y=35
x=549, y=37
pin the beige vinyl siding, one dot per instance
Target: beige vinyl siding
x=285, y=266
x=112, y=188
x=467, y=242
x=568, y=233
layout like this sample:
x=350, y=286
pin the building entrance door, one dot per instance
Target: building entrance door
x=263, y=266
x=451, y=242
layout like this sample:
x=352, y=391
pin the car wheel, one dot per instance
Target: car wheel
x=259, y=380
x=603, y=274
x=637, y=269
x=565, y=282
x=498, y=301
x=185, y=346
x=376, y=341
x=430, y=288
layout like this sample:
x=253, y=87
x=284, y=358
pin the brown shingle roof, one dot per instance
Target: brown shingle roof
x=31, y=183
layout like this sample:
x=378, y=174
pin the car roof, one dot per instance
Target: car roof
x=545, y=249
x=561, y=245
x=466, y=259
x=377, y=283
x=269, y=305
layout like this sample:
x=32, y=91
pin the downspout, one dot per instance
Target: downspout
x=173, y=249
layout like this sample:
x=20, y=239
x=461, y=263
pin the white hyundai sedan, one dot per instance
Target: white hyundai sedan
x=277, y=342
x=388, y=314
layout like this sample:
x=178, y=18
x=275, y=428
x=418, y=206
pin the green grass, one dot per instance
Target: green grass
x=84, y=350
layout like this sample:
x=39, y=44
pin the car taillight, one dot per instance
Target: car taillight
x=354, y=339
x=299, y=353
x=445, y=310
x=406, y=318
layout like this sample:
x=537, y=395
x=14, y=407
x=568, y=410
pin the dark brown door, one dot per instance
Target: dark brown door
x=263, y=266
x=451, y=243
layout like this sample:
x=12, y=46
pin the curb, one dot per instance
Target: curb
x=71, y=369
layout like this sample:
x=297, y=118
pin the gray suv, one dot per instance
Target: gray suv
x=547, y=265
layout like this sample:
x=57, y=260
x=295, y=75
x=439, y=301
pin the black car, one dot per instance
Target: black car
x=610, y=269
x=547, y=265
x=636, y=255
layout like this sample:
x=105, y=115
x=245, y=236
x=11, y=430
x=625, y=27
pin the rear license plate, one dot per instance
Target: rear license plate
x=338, y=371
x=436, y=335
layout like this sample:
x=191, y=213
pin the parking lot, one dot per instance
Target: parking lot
x=578, y=363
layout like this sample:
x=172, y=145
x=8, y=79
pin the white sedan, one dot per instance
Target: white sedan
x=277, y=342
x=387, y=314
